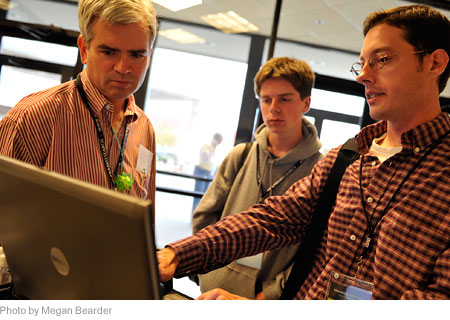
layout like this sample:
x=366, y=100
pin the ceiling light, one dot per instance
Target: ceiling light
x=229, y=22
x=181, y=36
x=176, y=5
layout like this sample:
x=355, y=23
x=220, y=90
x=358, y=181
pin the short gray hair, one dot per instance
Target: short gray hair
x=116, y=12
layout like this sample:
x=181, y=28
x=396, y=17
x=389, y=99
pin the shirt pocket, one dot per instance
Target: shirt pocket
x=141, y=183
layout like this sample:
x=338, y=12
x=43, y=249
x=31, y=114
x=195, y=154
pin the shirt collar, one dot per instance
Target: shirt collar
x=416, y=139
x=98, y=101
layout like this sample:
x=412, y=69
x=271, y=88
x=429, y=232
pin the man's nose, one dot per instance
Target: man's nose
x=274, y=106
x=122, y=65
x=365, y=75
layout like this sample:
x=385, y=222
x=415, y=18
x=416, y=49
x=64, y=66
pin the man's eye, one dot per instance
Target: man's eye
x=383, y=59
x=138, y=55
x=107, y=52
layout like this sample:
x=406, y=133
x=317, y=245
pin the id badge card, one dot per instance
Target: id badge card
x=144, y=161
x=342, y=287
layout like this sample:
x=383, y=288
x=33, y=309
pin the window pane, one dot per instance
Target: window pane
x=15, y=83
x=41, y=51
x=3, y=111
x=310, y=119
x=335, y=133
x=188, y=104
x=337, y=102
x=191, y=98
x=172, y=222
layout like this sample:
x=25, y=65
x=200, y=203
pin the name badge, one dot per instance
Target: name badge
x=342, y=287
x=144, y=161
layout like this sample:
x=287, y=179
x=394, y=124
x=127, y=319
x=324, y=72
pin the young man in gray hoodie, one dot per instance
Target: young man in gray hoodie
x=285, y=150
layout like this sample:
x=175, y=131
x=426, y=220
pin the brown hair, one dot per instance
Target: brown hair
x=425, y=28
x=297, y=72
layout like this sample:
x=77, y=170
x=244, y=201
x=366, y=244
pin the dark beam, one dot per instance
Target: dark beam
x=35, y=65
x=273, y=36
x=249, y=103
x=38, y=32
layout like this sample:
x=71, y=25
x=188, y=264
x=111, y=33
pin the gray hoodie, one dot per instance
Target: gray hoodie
x=233, y=191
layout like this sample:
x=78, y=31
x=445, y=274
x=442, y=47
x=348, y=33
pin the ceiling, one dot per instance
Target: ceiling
x=329, y=23
x=335, y=25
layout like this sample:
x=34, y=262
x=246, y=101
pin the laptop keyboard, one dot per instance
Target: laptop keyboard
x=176, y=296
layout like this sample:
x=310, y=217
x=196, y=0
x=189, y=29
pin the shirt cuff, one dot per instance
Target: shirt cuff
x=189, y=253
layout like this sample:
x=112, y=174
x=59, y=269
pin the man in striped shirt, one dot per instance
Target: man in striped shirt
x=390, y=225
x=91, y=129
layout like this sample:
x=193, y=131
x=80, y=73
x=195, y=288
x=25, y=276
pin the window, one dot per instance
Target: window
x=333, y=130
x=30, y=81
x=37, y=54
x=194, y=92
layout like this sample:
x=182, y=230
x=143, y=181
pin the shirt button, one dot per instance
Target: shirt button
x=353, y=237
x=369, y=199
x=374, y=163
x=416, y=149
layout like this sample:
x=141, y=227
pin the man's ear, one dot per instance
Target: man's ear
x=83, y=48
x=150, y=58
x=307, y=102
x=439, y=61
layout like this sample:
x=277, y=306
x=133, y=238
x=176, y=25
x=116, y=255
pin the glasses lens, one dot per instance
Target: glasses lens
x=356, y=69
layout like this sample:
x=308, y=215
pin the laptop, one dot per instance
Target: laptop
x=67, y=239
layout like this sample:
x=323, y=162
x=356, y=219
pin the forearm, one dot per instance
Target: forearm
x=237, y=236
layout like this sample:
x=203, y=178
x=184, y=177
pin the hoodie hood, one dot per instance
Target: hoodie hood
x=305, y=148
x=270, y=168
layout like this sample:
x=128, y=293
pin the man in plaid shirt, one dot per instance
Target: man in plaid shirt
x=390, y=226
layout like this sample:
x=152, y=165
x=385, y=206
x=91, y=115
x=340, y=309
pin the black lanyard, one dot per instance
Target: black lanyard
x=101, y=136
x=370, y=228
x=279, y=180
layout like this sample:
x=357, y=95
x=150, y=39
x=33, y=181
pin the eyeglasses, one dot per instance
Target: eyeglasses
x=376, y=63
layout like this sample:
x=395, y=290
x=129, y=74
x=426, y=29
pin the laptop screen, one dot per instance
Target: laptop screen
x=66, y=239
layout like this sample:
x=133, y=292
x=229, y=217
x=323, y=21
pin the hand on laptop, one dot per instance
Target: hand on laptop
x=219, y=294
x=167, y=263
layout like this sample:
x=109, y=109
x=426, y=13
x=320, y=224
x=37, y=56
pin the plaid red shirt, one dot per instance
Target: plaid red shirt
x=410, y=255
x=53, y=129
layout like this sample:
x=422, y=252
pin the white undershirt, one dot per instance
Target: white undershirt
x=382, y=153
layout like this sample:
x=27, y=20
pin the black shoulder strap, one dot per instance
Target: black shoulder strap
x=248, y=145
x=304, y=258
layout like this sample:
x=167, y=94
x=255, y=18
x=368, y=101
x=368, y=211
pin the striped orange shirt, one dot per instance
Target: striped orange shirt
x=54, y=129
